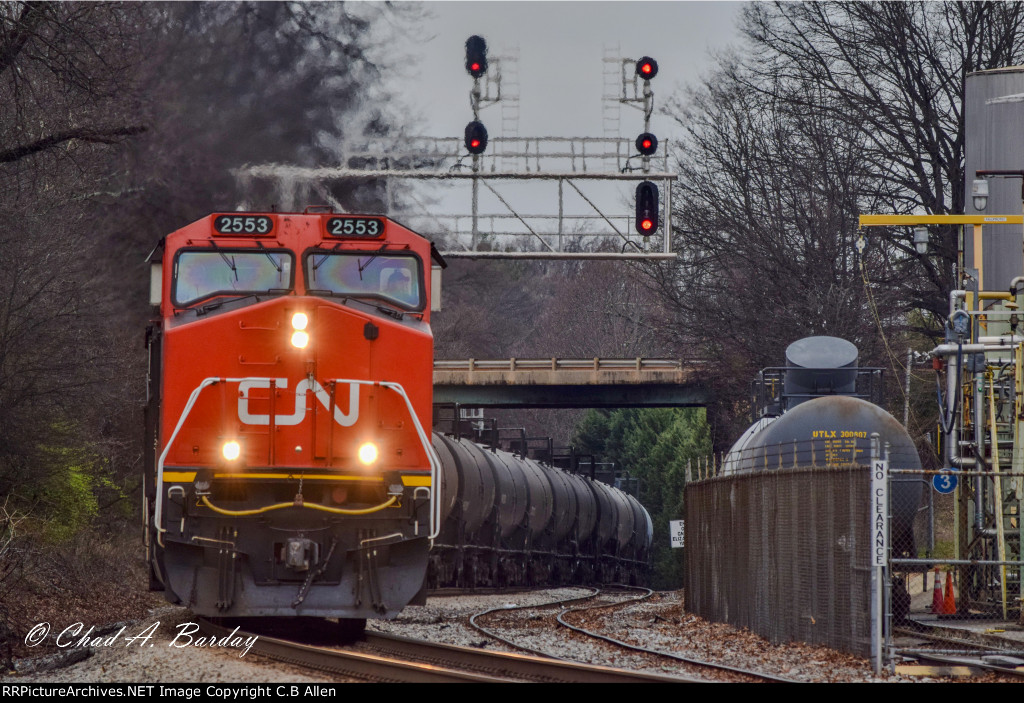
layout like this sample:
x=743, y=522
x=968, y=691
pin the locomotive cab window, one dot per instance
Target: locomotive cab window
x=392, y=278
x=209, y=273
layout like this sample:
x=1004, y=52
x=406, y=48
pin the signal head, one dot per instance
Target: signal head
x=476, y=137
x=646, y=208
x=647, y=68
x=476, y=56
x=647, y=144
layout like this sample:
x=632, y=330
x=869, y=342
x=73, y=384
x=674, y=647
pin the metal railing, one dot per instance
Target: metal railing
x=768, y=395
x=555, y=364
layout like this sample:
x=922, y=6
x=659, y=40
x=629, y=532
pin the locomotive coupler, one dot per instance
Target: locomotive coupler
x=300, y=553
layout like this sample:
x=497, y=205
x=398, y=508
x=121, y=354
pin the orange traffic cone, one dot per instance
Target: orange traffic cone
x=937, y=601
x=949, y=602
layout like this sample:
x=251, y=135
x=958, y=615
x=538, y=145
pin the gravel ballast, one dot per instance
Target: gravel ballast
x=657, y=623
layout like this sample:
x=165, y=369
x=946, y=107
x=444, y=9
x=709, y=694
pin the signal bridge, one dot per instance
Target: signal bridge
x=578, y=207
x=529, y=198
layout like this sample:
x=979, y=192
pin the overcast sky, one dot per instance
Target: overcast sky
x=560, y=47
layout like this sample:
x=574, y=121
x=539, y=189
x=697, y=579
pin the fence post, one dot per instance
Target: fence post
x=879, y=548
x=887, y=573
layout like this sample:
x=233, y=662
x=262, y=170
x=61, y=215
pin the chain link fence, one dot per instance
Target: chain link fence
x=785, y=553
x=788, y=554
x=963, y=590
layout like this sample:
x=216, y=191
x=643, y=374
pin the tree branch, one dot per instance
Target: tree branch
x=98, y=136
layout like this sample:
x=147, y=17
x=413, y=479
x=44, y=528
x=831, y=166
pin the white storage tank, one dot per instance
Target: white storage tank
x=993, y=119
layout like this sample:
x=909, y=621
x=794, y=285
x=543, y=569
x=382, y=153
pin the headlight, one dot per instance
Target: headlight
x=300, y=339
x=299, y=321
x=368, y=453
x=232, y=450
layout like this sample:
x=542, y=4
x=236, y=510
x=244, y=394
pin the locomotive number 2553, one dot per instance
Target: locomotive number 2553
x=355, y=226
x=243, y=224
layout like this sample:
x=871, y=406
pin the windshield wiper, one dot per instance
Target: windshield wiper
x=234, y=297
x=370, y=300
x=229, y=261
x=362, y=266
x=203, y=309
x=269, y=256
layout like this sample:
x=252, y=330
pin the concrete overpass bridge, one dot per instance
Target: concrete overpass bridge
x=569, y=383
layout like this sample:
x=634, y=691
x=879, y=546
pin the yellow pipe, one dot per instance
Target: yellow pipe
x=314, y=506
x=995, y=295
x=910, y=220
x=299, y=474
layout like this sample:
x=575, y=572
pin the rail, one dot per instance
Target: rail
x=391, y=658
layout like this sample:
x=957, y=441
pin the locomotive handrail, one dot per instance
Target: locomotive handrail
x=205, y=383
x=435, y=463
x=435, y=498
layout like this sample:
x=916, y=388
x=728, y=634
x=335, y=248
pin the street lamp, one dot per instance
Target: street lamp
x=921, y=240
x=979, y=193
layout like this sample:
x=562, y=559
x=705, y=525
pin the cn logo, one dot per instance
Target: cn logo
x=344, y=419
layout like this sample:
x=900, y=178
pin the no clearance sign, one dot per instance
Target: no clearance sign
x=879, y=511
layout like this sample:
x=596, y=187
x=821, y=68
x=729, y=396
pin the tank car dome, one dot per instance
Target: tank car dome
x=821, y=353
x=819, y=366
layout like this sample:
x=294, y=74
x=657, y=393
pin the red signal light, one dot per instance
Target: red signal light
x=476, y=56
x=647, y=144
x=476, y=137
x=647, y=68
x=646, y=208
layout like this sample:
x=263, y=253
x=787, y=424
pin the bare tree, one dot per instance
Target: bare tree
x=892, y=73
x=67, y=105
x=770, y=198
x=596, y=308
x=831, y=110
x=65, y=71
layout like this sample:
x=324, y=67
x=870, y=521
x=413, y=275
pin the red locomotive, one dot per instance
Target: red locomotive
x=289, y=466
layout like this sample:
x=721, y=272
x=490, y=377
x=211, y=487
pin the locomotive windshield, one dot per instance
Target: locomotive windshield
x=214, y=272
x=395, y=278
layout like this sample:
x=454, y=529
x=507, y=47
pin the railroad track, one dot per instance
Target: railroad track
x=389, y=658
x=961, y=648
x=567, y=617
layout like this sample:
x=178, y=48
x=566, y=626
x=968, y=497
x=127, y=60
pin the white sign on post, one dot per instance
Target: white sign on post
x=675, y=528
x=879, y=512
